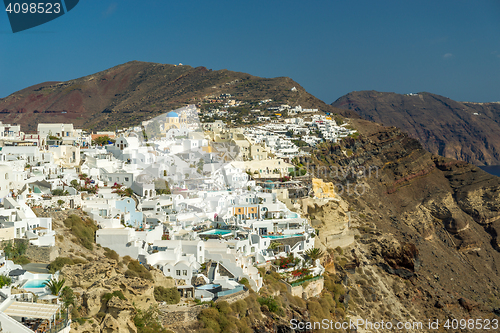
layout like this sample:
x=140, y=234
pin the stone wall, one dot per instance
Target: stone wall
x=42, y=253
x=39, y=253
x=306, y=289
x=188, y=314
x=313, y=289
x=234, y=297
x=343, y=239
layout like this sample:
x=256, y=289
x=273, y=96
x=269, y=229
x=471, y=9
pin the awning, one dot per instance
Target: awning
x=48, y=297
x=17, y=272
x=32, y=310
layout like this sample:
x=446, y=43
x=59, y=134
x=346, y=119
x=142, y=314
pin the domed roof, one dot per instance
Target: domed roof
x=172, y=114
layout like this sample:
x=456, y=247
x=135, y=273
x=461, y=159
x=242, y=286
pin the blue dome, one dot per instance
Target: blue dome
x=172, y=114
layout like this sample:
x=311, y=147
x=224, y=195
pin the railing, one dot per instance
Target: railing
x=229, y=292
x=295, y=284
x=60, y=326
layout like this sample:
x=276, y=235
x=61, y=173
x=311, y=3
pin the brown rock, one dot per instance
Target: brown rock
x=467, y=304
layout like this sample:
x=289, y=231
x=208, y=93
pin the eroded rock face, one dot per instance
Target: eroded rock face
x=482, y=204
x=85, y=275
x=160, y=280
x=96, y=279
x=444, y=207
x=396, y=257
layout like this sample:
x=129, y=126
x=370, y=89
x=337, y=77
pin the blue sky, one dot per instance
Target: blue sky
x=451, y=48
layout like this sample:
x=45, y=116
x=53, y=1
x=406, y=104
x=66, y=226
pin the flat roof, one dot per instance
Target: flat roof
x=32, y=310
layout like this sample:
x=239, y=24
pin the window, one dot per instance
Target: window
x=126, y=179
x=185, y=272
x=178, y=272
x=168, y=270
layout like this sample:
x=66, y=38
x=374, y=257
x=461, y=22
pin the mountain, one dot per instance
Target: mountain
x=129, y=93
x=464, y=131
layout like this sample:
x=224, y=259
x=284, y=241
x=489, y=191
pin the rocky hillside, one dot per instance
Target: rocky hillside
x=127, y=94
x=464, y=131
x=428, y=246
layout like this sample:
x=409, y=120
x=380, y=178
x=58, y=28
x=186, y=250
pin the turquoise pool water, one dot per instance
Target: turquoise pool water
x=208, y=286
x=34, y=284
x=216, y=232
x=281, y=236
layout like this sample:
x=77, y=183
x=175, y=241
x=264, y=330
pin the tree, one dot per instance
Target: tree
x=102, y=140
x=8, y=249
x=275, y=245
x=55, y=286
x=5, y=280
x=58, y=192
x=68, y=297
x=60, y=202
x=314, y=254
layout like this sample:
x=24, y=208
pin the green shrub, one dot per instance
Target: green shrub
x=240, y=307
x=245, y=282
x=59, y=192
x=209, y=317
x=59, y=263
x=77, y=261
x=169, y=295
x=127, y=259
x=83, y=230
x=147, y=321
x=21, y=260
x=14, y=250
x=135, y=269
x=100, y=315
x=316, y=310
x=68, y=296
x=111, y=254
x=117, y=293
x=272, y=304
x=5, y=280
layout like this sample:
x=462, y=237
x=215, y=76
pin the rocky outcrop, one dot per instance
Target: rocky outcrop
x=443, y=206
x=108, y=296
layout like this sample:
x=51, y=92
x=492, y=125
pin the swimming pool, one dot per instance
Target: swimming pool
x=216, y=232
x=281, y=236
x=34, y=284
x=208, y=286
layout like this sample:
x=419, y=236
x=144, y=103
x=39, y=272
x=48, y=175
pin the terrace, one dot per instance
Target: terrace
x=27, y=317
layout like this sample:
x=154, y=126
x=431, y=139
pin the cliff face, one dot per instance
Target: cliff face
x=460, y=130
x=424, y=219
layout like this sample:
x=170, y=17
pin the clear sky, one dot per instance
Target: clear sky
x=451, y=48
